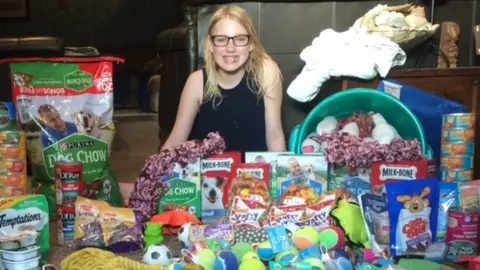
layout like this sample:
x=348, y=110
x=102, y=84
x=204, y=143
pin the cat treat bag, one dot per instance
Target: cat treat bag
x=413, y=214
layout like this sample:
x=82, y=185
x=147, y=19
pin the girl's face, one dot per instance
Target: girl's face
x=231, y=45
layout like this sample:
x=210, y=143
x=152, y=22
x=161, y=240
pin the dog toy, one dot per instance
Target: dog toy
x=265, y=251
x=316, y=263
x=305, y=237
x=94, y=258
x=158, y=254
x=153, y=234
x=241, y=249
x=333, y=237
x=290, y=256
x=250, y=255
x=252, y=264
x=350, y=219
x=226, y=260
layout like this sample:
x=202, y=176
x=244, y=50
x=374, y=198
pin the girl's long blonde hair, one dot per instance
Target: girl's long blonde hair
x=255, y=65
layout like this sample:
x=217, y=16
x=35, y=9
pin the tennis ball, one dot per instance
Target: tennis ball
x=250, y=255
x=290, y=256
x=265, y=251
x=226, y=260
x=332, y=236
x=315, y=263
x=206, y=258
x=252, y=264
x=305, y=237
x=239, y=249
x=175, y=266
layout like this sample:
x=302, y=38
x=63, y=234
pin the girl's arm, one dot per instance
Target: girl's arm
x=187, y=110
x=273, y=106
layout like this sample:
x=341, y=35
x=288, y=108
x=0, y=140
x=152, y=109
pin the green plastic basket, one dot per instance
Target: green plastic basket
x=345, y=103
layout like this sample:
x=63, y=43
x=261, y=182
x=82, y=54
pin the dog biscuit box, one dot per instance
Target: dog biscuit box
x=310, y=170
x=388, y=172
x=270, y=158
x=215, y=172
x=183, y=190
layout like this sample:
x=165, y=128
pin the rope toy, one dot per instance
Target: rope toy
x=97, y=259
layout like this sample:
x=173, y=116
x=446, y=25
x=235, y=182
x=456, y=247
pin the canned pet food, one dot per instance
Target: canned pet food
x=12, y=152
x=462, y=232
x=12, y=137
x=12, y=166
x=68, y=185
x=13, y=180
x=458, y=148
x=12, y=191
x=458, y=135
x=458, y=120
x=456, y=162
x=460, y=175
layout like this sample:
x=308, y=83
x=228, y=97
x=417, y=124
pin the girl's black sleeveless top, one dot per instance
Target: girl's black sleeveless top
x=239, y=118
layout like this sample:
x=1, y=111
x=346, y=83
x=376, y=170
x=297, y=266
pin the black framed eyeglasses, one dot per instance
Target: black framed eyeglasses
x=222, y=41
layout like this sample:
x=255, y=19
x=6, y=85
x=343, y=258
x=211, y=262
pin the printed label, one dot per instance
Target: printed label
x=257, y=172
x=182, y=192
x=399, y=173
x=216, y=165
x=462, y=234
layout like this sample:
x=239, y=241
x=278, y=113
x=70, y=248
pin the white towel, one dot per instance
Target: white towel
x=352, y=53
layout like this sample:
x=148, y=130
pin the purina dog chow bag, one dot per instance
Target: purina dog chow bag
x=65, y=107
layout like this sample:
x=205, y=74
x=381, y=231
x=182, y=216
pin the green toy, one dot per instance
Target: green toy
x=350, y=220
x=252, y=264
x=153, y=234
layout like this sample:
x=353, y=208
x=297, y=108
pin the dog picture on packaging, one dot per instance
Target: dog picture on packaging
x=216, y=171
x=183, y=189
x=309, y=170
x=270, y=158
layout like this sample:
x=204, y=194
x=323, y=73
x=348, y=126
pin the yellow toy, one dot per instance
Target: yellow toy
x=97, y=259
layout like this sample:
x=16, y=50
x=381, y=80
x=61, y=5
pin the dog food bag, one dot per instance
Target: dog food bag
x=65, y=108
x=413, y=214
x=448, y=199
x=24, y=214
x=216, y=171
x=302, y=170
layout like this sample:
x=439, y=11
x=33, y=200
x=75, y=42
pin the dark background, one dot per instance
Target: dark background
x=129, y=27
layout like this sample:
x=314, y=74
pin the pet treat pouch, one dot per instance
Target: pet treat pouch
x=26, y=214
x=305, y=170
x=88, y=228
x=184, y=191
x=121, y=228
x=448, y=198
x=375, y=216
x=413, y=214
x=65, y=108
x=250, y=182
x=216, y=172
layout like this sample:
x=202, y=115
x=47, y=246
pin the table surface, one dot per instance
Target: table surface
x=58, y=253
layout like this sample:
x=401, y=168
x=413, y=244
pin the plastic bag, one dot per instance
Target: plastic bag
x=65, y=108
x=427, y=107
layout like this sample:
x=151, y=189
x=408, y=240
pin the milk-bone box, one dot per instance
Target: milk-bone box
x=387, y=172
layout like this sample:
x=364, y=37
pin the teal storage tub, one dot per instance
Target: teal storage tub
x=364, y=100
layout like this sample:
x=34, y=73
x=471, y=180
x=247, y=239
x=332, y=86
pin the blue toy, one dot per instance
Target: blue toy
x=226, y=260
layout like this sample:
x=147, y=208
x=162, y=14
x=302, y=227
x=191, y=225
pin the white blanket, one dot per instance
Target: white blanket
x=352, y=53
